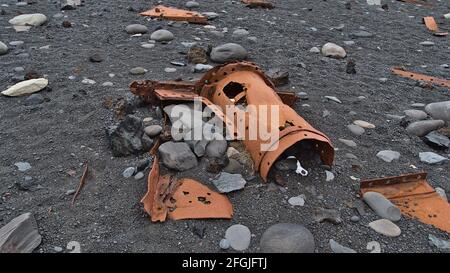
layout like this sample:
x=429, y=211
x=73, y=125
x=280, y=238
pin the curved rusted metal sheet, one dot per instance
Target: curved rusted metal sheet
x=257, y=90
x=414, y=197
x=431, y=24
x=175, y=14
x=182, y=199
x=238, y=86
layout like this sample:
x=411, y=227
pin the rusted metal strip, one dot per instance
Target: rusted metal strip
x=175, y=14
x=81, y=184
x=415, y=198
x=258, y=4
x=431, y=24
x=420, y=77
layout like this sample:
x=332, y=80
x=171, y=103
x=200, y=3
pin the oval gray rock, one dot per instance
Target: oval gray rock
x=162, y=35
x=35, y=19
x=287, y=238
x=382, y=206
x=238, y=236
x=3, y=48
x=136, y=29
x=439, y=110
x=177, y=156
x=423, y=127
x=228, y=52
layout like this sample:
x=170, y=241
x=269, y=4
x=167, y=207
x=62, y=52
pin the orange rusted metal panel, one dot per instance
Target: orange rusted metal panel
x=420, y=77
x=175, y=14
x=431, y=24
x=182, y=198
x=415, y=198
x=239, y=86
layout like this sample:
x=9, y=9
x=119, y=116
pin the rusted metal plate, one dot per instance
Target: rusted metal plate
x=182, y=199
x=176, y=14
x=431, y=24
x=420, y=77
x=230, y=90
x=415, y=198
x=258, y=4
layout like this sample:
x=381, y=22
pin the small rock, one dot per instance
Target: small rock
x=427, y=43
x=197, y=55
x=278, y=76
x=349, y=143
x=415, y=114
x=388, y=155
x=364, y=124
x=338, y=248
x=351, y=67
x=26, y=87
x=210, y=15
x=3, y=48
x=228, y=52
x=136, y=29
x=361, y=34
x=170, y=70
x=224, y=244
x=431, y=158
x=153, y=130
x=22, y=166
x=177, y=156
x=35, y=19
x=332, y=98
x=329, y=176
x=238, y=236
x=58, y=249
x=437, y=242
x=128, y=172
x=20, y=235
x=108, y=84
x=139, y=176
x=96, y=58
x=314, y=50
x=439, y=110
x=355, y=218
x=70, y=192
x=423, y=127
x=297, y=200
x=333, y=51
x=355, y=129
x=34, y=99
x=216, y=148
x=385, y=227
x=329, y=215
x=192, y=4
x=240, y=33
x=148, y=45
x=228, y=182
x=382, y=206
x=201, y=68
x=138, y=71
x=437, y=140
x=162, y=35
x=287, y=238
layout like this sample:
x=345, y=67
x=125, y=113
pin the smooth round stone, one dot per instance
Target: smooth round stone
x=427, y=43
x=354, y=219
x=287, y=238
x=439, y=110
x=34, y=99
x=333, y=50
x=239, y=33
x=364, y=124
x=238, y=236
x=139, y=176
x=107, y=84
x=16, y=43
x=136, y=29
x=224, y=244
x=348, y=142
x=228, y=52
x=138, y=71
x=35, y=19
x=192, y=4
x=382, y=206
x=385, y=227
x=388, y=155
x=355, y=129
x=314, y=50
x=162, y=35
x=153, y=130
x=415, y=114
x=148, y=46
x=128, y=172
x=423, y=127
x=3, y=48
x=297, y=200
x=170, y=70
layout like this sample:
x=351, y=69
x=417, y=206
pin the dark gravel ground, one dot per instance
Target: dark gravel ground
x=68, y=129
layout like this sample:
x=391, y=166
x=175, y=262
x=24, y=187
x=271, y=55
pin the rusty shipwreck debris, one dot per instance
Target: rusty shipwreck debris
x=431, y=24
x=237, y=86
x=415, y=198
x=420, y=77
x=168, y=197
x=175, y=14
x=258, y=4
x=81, y=184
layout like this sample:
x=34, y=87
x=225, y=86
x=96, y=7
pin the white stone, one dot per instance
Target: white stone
x=35, y=19
x=26, y=87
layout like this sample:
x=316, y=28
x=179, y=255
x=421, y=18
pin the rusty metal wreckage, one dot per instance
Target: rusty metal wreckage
x=221, y=87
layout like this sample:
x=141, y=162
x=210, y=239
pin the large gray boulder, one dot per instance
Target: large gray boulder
x=439, y=110
x=228, y=52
